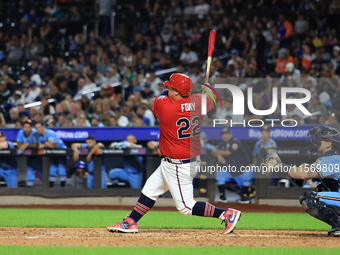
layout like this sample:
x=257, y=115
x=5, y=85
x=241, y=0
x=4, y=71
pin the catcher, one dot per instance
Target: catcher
x=324, y=203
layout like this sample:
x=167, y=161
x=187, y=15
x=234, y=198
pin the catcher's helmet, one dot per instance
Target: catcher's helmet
x=323, y=133
x=181, y=82
x=80, y=164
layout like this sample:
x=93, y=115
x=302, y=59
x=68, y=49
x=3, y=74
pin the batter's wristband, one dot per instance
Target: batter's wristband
x=156, y=148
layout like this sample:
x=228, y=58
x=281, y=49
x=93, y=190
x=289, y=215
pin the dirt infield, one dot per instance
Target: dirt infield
x=164, y=238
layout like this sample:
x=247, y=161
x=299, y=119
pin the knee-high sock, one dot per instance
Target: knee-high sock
x=205, y=209
x=143, y=205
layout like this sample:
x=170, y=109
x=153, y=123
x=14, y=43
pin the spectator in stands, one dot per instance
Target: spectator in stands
x=318, y=61
x=68, y=122
x=103, y=10
x=95, y=122
x=292, y=111
x=113, y=122
x=12, y=117
x=92, y=146
x=285, y=30
x=202, y=9
x=23, y=113
x=46, y=67
x=282, y=61
x=82, y=87
x=123, y=121
x=148, y=113
x=291, y=73
x=258, y=104
x=336, y=57
x=132, y=171
x=141, y=114
x=147, y=93
x=14, y=50
x=81, y=120
x=301, y=26
x=112, y=76
x=315, y=107
x=46, y=108
x=153, y=80
x=188, y=56
x=34, y=49
x=64, y=89
x=5, y=92
x=37, y=117
x=333, y=120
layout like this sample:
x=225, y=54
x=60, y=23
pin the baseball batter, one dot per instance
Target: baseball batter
x=179, y=114
x=324, y=204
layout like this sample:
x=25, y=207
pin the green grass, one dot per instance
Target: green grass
x=43, y=250
x=49, y=218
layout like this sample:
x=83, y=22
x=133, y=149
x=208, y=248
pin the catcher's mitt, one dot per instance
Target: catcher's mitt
x=271, y=162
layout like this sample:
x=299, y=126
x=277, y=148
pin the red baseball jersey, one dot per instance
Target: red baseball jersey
x=180, y=122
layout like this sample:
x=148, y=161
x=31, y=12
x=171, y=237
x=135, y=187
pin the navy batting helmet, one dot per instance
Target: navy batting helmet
x=323, y=133
x=80, y=164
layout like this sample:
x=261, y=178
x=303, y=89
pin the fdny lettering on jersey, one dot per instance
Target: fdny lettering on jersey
x=187, y=107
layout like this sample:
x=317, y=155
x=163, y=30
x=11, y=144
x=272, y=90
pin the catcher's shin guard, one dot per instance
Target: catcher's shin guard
x=319, y=209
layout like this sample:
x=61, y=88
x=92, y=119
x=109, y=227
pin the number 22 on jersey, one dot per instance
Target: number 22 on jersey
x=188, y=128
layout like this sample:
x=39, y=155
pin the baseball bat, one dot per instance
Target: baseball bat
x=211, y=45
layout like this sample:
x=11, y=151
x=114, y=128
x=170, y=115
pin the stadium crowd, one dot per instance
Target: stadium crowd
x=85, y=80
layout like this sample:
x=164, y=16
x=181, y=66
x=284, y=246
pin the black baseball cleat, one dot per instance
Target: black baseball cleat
x=334, y=232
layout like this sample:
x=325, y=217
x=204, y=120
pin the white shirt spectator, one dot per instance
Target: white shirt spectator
x=202, y=9
x=301, y=26
x=190, y=57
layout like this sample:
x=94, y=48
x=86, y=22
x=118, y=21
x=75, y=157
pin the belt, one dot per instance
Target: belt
x=182, y=161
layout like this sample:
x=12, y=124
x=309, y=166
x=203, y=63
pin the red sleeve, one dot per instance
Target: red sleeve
x=156, y=105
